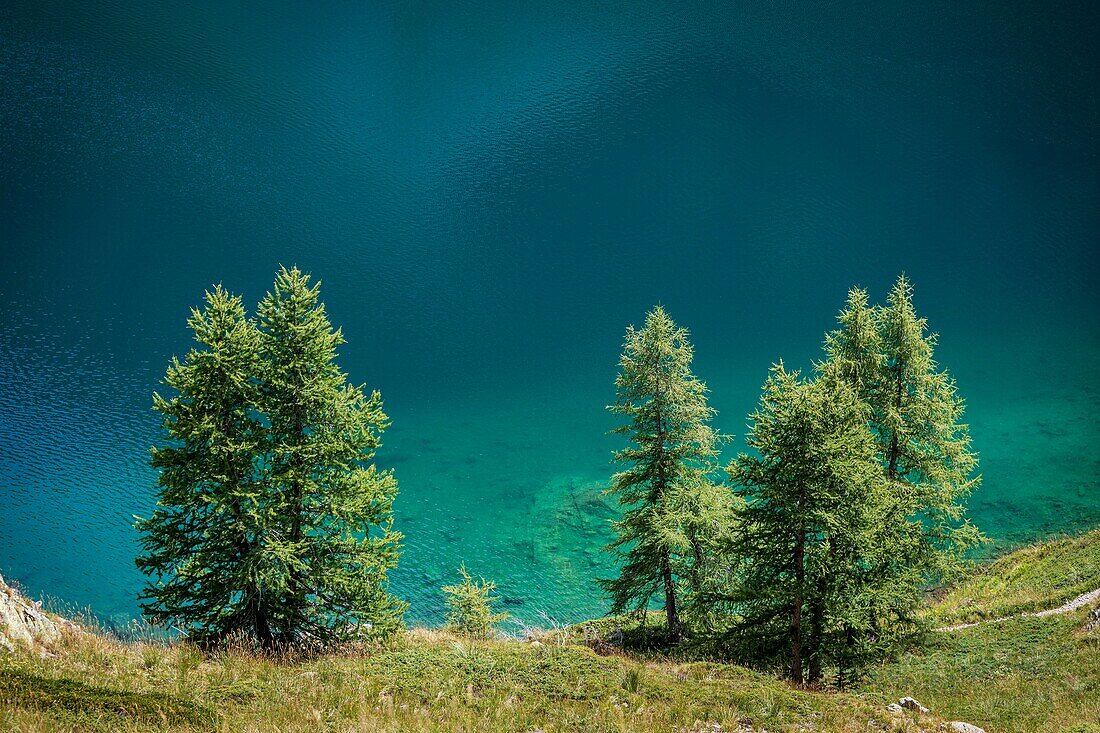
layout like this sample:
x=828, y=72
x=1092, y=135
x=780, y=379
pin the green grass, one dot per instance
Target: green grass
x=1023, y=675
x=1026, y=675
x=431, y=682
x=86, y=705
x=1033, y=578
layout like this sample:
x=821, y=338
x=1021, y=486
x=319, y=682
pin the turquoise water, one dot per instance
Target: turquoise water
x=490, y=193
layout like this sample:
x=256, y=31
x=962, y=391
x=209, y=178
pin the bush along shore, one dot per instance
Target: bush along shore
x=785, y=589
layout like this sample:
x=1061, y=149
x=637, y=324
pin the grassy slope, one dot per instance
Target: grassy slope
x=1031, y=579
x=432, y=682
x=1026, y=675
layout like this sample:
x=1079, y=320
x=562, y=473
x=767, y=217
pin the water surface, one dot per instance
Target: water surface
x=490, y=193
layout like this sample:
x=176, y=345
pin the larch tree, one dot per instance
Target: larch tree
x=854, y=350
x=330, y=511
x=810, y=488
x=272, y=520
x=203, y=544
x=887, y=356
x=665, y=487
x=470, y=606
x=923, y=443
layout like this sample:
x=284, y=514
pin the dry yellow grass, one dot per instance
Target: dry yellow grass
x=432, y=681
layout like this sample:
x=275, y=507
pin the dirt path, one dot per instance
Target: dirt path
x=1078, y=602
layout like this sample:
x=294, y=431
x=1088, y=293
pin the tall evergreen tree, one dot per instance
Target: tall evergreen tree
x=853, y=496
x=922, y=441
x=810, y=489
x=922, y=449
x=886, y=355
x=202, y=544
x=272, y=520
x=666, y=487
x=331, y=508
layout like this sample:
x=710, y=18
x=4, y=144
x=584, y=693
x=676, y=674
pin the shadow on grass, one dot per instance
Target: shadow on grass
x=70, y=699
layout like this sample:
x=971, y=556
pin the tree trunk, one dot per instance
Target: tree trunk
x=845, y=663
x=672, y=616
x=294, y=582
x=261, y=626
x=817, y=625
x=796, y=608
x=254, y=614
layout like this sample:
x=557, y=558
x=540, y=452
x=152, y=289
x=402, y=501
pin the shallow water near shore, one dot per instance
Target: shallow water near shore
x=490, y=194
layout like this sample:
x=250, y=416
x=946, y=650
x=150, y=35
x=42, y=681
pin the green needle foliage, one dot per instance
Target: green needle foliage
x=272, y=520
x=854, y=497
x=471, y=606
x=811, y=489
x=671, y=507
x=203, y=543
x=331, y=508
x=855, y=350
x=886, y=355
x=922, y=441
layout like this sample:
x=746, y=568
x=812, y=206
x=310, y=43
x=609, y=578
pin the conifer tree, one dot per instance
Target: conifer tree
x=202, y=544
x=854, y=351
x=665, y=486
x=272, y=520
x=922, y=442
x=853, y=497
x=470, y=605
x=809, y=490
x=886, y=355
x=330, y=507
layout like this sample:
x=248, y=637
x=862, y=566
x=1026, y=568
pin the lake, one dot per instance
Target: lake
x=490, y=192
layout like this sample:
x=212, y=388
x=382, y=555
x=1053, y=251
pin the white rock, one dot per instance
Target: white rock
x=911, y=704
x=960, y=727
x=24, y=624
x=893, y=708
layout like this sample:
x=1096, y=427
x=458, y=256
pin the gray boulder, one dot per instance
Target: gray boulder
x=24, y=625
x=958, y=726
x=1093, y=622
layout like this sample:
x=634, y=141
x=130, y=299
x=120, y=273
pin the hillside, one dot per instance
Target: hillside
x=1024, y=674
x=433, y=681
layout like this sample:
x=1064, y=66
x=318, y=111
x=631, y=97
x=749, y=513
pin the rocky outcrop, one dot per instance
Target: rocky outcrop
x=24, y=625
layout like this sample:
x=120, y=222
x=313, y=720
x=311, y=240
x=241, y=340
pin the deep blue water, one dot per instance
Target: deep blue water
x=490, y=193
